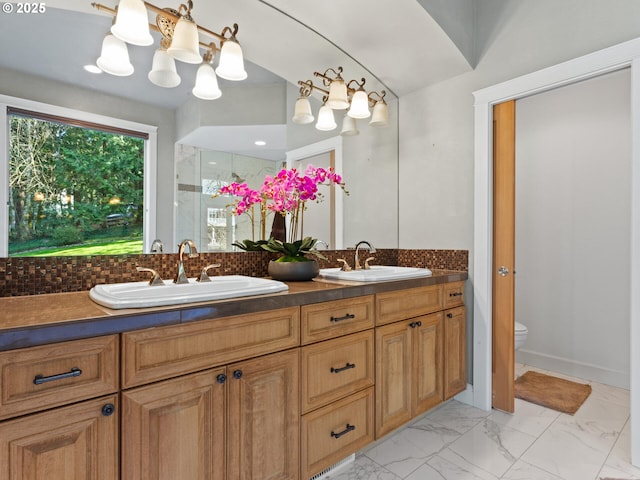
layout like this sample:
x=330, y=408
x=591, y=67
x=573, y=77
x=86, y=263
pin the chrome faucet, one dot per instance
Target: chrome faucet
x=157, y=246
x=318, y=242
x=357, y=259
x=181, y=276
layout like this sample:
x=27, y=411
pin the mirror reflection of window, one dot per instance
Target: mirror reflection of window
x=74, y=188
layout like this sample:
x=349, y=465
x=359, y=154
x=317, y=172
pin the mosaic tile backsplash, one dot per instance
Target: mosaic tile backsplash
x=38, y=275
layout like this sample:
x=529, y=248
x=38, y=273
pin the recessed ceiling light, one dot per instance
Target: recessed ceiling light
x=92, y=69
x=260, y=143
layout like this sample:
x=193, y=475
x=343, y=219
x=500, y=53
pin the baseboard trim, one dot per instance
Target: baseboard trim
x=466, y=396
x=574, y=368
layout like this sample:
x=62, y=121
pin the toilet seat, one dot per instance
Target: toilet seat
x=520, y=328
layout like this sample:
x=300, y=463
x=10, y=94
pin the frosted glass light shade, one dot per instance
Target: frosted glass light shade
x=380, y=116
x=338, y=95
x=206, y=86
x=114, y=57
x=326, y=121
x=359, y=105
x=349, y=127
x=163, y=72
x=132, y=23
x=302, y=114
x=231, y=65
x=185, y=42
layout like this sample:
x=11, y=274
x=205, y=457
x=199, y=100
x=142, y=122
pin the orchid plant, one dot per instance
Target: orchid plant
x=285, y=194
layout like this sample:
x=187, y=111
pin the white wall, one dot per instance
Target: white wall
x=436, y=122
x=573, y=203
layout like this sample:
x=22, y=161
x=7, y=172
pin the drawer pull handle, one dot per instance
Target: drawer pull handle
x=348, y=428
x=108, y=409
x=342, y=369
x=455, y=294
x=74, y=372
x=348, y=316
x=449, y=315
x=415, y=324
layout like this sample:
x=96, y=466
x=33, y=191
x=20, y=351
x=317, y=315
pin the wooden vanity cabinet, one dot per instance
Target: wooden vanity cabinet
x=455, y=340
x=60, y=411
x=337, y=378
x=420, y=351
x=79, y=441
x=176, y=428
x=409, y=370
x=237, y=420
x=279, y=394
x=264, y=418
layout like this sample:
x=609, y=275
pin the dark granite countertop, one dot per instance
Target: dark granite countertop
x=39, y=319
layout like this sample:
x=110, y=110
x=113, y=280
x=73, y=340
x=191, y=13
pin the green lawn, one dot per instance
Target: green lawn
x=113, y=247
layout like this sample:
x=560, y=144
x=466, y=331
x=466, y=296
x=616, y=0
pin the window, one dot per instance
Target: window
x=75, y=179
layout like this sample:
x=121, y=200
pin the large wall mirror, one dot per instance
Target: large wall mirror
x=204, y=144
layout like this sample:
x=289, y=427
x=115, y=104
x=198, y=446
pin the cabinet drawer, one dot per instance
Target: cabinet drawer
x=333, y=432
x=321, y=321
x=335, y=368
x=38, y=378
x=453, y=294
x=159, y=353
x=403, y=304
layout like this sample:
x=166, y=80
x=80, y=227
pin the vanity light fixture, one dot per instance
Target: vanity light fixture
x=340, y=95
x=180, y=41
x=206, y=86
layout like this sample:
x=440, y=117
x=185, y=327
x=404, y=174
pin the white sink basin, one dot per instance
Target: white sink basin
x=141, y=294
x=377, y=273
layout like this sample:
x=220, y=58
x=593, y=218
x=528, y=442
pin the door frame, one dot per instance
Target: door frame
x=624, y=55
x=333, y=144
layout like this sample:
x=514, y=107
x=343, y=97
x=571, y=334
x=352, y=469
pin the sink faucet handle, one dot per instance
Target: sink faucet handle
x=345, y=266
x=366, y=263
x=203, y=274
x=155, y=278
x=157, y=246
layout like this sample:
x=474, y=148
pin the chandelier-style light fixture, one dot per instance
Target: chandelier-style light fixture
x=340, y=95
x=180, y=41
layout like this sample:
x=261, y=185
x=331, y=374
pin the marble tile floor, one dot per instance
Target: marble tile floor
x=459, y=442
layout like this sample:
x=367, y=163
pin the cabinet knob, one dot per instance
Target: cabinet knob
x=237, y=374
x=108, y=409
x=449, y=315
x=415, y=324
x=221, y=378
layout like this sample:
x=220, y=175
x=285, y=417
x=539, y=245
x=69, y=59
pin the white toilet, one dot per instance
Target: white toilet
x=520, y=334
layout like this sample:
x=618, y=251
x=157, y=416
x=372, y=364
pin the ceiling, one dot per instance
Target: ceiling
x=395, y=44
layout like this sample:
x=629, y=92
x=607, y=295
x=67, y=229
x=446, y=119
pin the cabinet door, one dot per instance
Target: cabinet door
x=264, y=418
x=455, y=361
x=427, y=363
x=175, y=429
x=393, y=376
x=77, y=442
